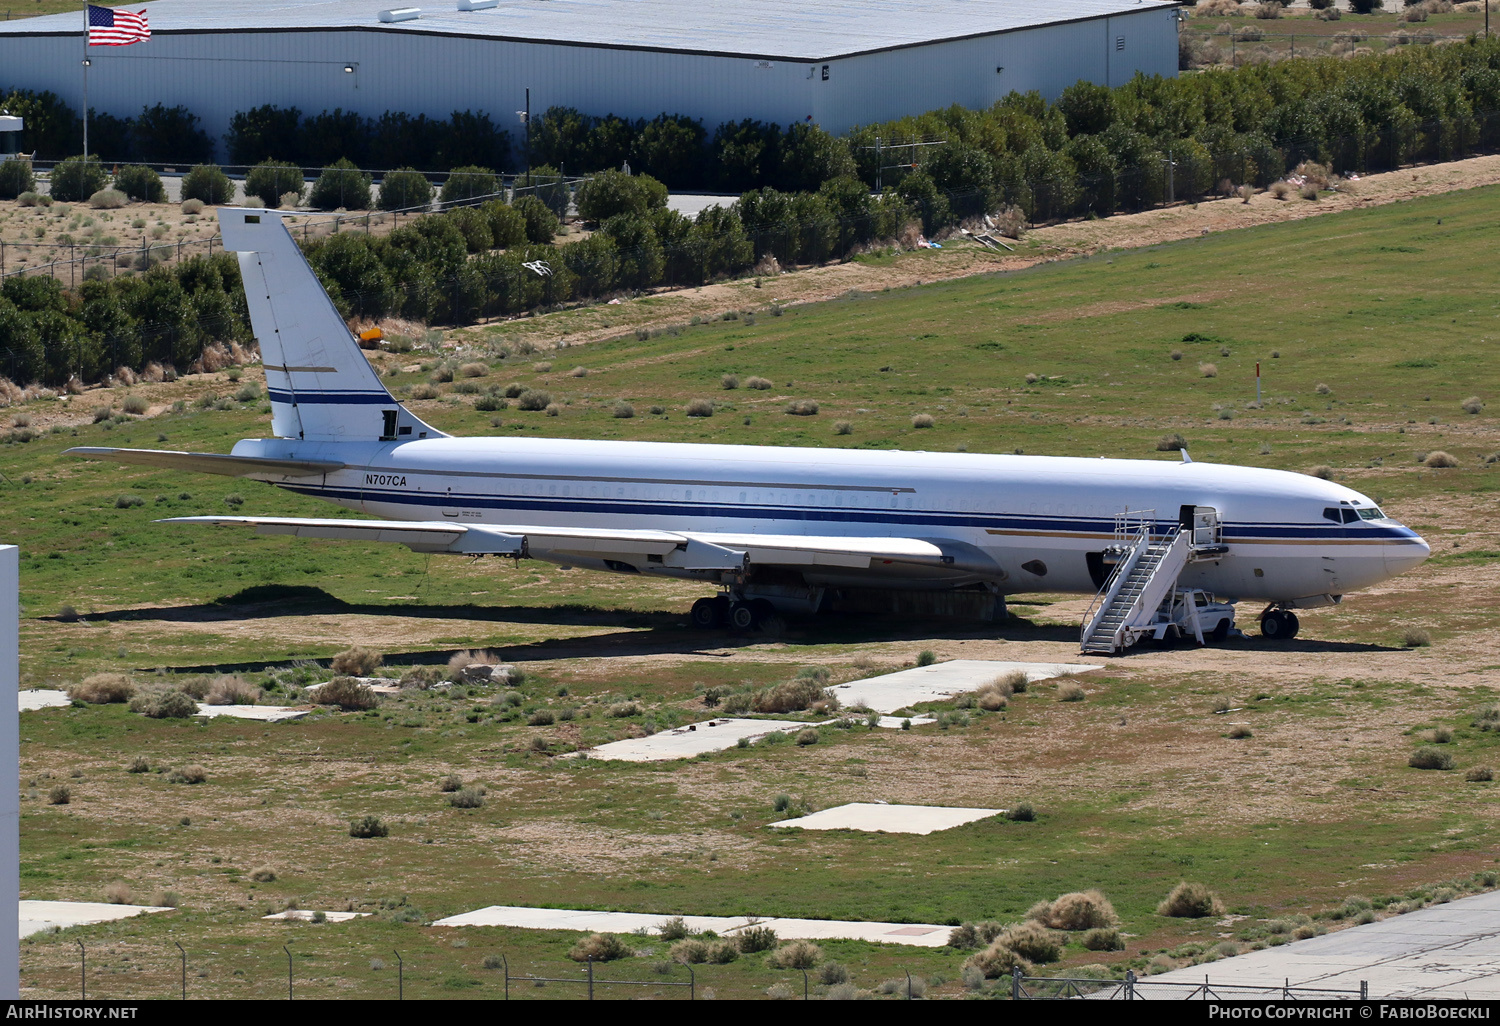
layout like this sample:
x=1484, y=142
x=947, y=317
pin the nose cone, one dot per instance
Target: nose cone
x=1403, y=554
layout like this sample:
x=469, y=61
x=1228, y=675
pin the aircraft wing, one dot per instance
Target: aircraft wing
x=207, y=462
x=636, y=549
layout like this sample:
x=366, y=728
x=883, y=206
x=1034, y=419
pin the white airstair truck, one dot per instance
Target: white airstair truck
x=1141, y=598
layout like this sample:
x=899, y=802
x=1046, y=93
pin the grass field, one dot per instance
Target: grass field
x=1393, y=309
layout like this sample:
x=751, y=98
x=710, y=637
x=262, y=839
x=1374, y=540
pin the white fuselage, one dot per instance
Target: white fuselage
x=1023, y=523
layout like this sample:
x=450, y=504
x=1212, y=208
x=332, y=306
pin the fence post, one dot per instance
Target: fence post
x=908, y=984
x=400, y=977
x=1129, y=984
x=288, y=971
x=591, y=977
x=184, y=969
x=1015, y=983
x=692, y=984
x=83, y=971
x=505, y=963
x=804, y=985
x=1364, y=990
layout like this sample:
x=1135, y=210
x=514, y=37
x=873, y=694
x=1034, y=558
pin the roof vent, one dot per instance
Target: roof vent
x=477, y=5
x=401, y=14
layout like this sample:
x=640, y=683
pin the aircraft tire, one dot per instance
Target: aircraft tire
x=742, y=616
x=705, y=614
x=1293, y=625
x=1279, y=625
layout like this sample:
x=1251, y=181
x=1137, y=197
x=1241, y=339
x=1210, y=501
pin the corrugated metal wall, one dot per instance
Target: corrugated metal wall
x=217, y=74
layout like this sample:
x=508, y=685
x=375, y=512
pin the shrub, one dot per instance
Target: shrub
x=789, y=696
x=405, y=188
x=997, y=960
x=1070, y=692
x=531, y=399
x=843, y=427
x=807, y=736
x=128, y=501
x=356, y=662
x=165, y=705
x=470, y=182
x=1479, y=774
x=75, y=180
x=1415, y=637
x=452, y=782
x=1170, y=443
x=760, y=384
x=673, y=929
x=346, y=693
x=263, y=874
x=1240, y=731
x=1322, y=471
x=1032, y=941
x=207, y=184
x=1104, y=939
x=138, y=765
x=609, y=193
x=599, y=947
x=729, y=382
x=623, y=709
x=552, y=410
x=541, y=222
x=756, y=938
x=232, y=689
x=1190, y=901
x=368, y=826
x=16, y=178
x=624, y=411
x=271, y=181
x=59, y=795
x=102, y=689
x=192, y=206
x=541, y=718
x=108, y=199
x=467, y=798
x=802, y=408
x=1023, y=812
x=922, y=420
x=140, y=183
x=341, y=185
x=135, y=404
x=1430, y=759
x=1208, y=370
x=700, y=408
x=1487, y=717
x=797, y=954
x=1076, y=910
x=117, y=893
x=1439, y=460
x=188, y=775
x=926, y=657
x=1473, y=405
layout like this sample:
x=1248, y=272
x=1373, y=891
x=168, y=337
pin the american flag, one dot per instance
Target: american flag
x=109, y=27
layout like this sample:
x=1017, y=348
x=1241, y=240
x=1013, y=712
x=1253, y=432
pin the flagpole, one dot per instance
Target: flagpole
x=85, y=89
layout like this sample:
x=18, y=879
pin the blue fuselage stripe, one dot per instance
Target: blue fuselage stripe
x=907, y=520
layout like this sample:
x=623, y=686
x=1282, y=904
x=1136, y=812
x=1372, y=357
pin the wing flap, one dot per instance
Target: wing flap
x=207, y=462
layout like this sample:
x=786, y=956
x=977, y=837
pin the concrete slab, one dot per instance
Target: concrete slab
x=306, y=914
x=927, y=935
x=30, y=701
x=379, y=685
x=1447, y=951
x=890, y=819
x=268, y=713
x=894, y=722
x=41, y=916
x=940, y=681
x=691, y=740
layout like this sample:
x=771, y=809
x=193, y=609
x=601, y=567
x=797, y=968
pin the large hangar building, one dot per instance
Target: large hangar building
x=838, y=63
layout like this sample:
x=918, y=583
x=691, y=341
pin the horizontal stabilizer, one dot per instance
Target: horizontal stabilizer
x=207, y=462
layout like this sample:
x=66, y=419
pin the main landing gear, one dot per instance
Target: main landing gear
x=723, y=611
x=1279, y=624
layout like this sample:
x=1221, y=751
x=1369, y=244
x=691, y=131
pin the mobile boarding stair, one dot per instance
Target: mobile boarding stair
x=1141, y=598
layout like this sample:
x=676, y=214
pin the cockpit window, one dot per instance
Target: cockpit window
x=1371, y=513
x=1332, y=513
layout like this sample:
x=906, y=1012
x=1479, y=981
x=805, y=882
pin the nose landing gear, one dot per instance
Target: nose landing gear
x=1279, y=624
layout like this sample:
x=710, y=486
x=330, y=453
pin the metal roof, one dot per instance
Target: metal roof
x=786, y=29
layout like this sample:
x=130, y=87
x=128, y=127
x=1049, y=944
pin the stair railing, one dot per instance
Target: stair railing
x=1133, y=530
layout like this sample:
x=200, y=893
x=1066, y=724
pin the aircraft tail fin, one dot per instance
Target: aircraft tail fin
x=321, y=386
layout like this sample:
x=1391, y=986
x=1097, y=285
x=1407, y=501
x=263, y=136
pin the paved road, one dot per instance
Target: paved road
x=1446, y=951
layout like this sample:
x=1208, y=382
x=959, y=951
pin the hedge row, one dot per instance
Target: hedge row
x=167, y=316
x=1109, y=146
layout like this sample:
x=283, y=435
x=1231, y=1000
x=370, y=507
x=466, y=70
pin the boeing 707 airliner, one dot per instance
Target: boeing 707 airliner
x=775, y=530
